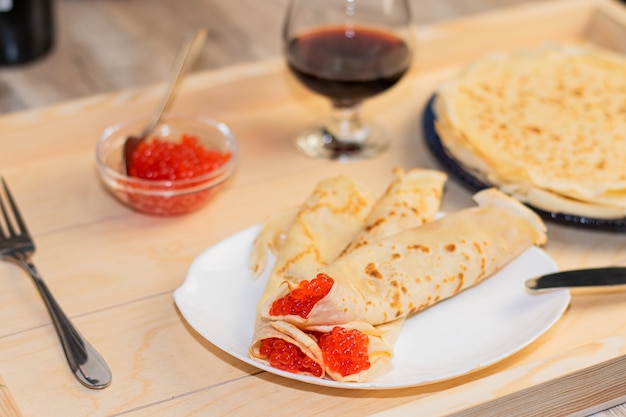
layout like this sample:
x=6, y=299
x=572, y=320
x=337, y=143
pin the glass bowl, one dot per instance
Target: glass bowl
x=166, y=197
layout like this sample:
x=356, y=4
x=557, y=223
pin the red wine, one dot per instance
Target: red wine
x=348, y=64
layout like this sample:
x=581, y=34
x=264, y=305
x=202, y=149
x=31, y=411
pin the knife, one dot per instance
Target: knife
x=592, y=277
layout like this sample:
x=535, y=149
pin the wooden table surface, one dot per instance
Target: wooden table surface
x=114, y=270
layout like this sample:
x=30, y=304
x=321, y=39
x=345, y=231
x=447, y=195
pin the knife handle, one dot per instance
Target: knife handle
x=591, y=277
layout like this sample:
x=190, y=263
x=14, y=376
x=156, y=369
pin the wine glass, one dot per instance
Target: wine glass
x=347, y=51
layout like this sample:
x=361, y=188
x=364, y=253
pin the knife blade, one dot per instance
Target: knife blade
x=591, y=277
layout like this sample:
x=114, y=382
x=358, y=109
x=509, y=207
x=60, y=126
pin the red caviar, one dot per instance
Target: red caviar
x=158, y=159
x=345, y=351
x=288, y=357
x=301, y=300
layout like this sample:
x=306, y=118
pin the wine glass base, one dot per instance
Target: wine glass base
x=320, y=143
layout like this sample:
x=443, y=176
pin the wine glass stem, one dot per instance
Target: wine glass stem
x=345, y=125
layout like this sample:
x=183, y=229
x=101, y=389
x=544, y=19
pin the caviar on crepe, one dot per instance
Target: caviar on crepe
x=301, y=300
x=288, y=357
x=345, y=351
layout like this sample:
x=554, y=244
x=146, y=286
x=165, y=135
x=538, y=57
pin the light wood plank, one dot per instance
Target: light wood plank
x=8, y=408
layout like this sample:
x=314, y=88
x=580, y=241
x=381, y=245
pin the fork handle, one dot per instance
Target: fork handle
x=84, y=361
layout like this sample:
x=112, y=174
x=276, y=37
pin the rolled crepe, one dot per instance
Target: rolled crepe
x=322, y=227
x=412, y=270
x=270, y=239
x=413, y=197
x=324, y=224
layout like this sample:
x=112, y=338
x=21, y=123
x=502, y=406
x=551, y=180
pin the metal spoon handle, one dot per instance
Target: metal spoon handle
x=187, y=54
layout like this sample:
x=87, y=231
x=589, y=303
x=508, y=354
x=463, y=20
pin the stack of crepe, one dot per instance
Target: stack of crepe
x=386, y=260
x=547, y=126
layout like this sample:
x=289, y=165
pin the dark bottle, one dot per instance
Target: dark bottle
x=26, y=30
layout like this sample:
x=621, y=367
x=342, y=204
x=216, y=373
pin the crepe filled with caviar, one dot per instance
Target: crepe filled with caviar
x=411, y=199
x=407, y=272
x=315, y=234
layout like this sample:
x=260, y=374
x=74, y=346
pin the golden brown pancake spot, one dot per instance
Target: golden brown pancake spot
x=374, y=225
x=395, y=300
x=478, y=248
x=533, y=129
x=460, y=284
x=420, y=248
x=299, y=256
x=450, y=247
x=372, y=271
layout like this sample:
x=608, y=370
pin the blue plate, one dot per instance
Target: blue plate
x=474, y=184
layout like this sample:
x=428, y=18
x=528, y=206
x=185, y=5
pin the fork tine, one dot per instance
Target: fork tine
x=16, y=213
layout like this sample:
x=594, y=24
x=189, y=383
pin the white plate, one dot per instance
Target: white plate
x=474, y=329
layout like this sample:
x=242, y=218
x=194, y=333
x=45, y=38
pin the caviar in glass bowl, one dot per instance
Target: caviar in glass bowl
x=179, y=168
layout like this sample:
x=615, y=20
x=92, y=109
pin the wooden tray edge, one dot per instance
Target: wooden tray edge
x=522, y=25
x=583, y=380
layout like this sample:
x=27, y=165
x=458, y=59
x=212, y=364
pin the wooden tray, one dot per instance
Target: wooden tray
x=120, y=294
x=577, y=381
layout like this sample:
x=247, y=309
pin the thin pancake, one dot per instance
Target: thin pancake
x=553, y=118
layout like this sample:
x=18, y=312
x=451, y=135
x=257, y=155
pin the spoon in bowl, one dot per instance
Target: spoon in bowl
x=186, y=56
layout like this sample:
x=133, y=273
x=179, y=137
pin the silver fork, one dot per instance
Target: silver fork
x=16, y=245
